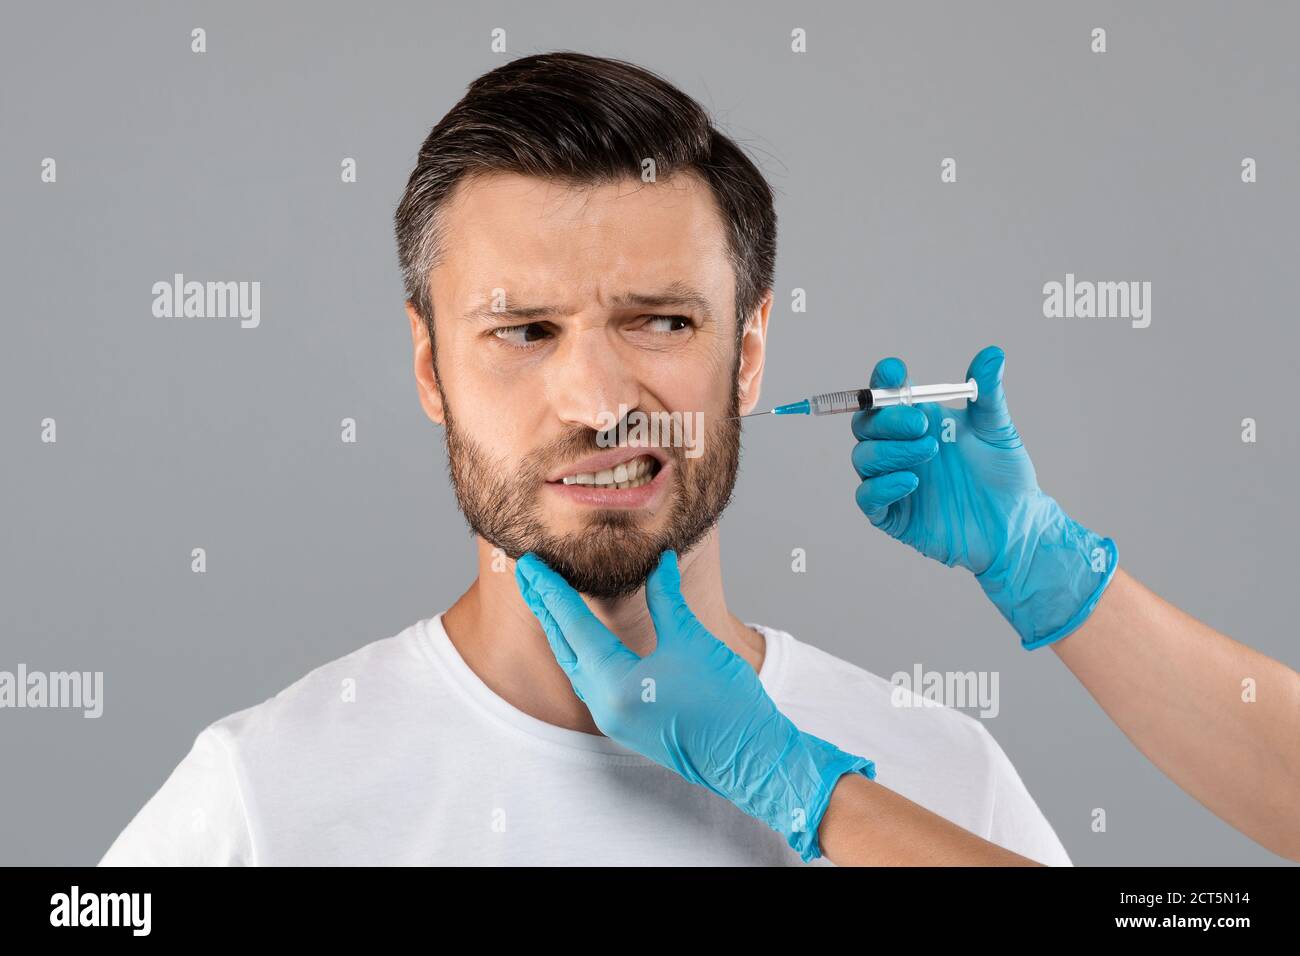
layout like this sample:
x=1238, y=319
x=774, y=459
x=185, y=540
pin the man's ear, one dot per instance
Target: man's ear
x=753, y=351
x=426, y=379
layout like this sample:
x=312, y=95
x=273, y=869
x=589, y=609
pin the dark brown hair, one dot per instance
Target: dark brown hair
x=583, y=120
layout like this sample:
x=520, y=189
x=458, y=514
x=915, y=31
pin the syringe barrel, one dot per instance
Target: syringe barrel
x=832, y=403
x=855, y=399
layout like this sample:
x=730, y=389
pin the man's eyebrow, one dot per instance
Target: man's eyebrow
x=675, y=294
x=527, y=313
x=678, y=293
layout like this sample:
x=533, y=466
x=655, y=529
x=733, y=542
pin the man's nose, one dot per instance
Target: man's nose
x=590, y=381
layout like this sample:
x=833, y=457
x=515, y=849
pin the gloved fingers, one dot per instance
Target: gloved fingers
x=889, y=373
x=564, y=654
x=872, y=458
x=875, y=495
x=989, y=417
x=673, y=619
x=594, y=645
x=895, y=423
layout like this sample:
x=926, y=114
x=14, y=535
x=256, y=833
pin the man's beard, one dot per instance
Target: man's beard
x=612, y=556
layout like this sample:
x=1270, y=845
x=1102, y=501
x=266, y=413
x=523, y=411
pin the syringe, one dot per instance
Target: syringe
x=860, y=399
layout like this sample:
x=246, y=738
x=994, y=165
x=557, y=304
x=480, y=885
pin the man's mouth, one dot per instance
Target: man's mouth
x=629, y=474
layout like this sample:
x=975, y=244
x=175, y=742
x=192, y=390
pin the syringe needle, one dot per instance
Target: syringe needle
x=750, y=415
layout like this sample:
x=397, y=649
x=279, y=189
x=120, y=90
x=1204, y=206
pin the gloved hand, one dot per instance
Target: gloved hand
x=974, y=501
x=693, y=705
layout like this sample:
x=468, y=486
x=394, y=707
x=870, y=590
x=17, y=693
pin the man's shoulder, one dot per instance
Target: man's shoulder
x=945, y=760
x=331, y=694
x=830, y=692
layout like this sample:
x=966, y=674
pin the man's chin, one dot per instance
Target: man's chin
x=606, y=567
x=605, y=525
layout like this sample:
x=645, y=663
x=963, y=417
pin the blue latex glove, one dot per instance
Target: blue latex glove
x=974, y=501
x=693, y=705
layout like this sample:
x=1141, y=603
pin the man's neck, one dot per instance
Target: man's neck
x=503, y=643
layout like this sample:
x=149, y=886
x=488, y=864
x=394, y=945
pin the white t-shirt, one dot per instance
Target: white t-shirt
x=398, y=754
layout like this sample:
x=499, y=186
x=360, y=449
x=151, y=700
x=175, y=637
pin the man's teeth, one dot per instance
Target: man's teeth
x=630, y=474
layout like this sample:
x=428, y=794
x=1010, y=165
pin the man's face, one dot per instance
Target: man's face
x=561, y=311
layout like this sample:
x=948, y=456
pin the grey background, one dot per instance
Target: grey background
x=175, y=434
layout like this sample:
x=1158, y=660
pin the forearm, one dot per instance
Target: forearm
x=866, y=824
x=1175, y=687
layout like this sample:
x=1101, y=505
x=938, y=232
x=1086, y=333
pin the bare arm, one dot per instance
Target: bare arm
x=1175, y=687
x=869, y=825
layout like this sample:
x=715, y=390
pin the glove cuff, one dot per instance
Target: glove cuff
x=813, y=768
x=1085, y=610
x=1047, y=584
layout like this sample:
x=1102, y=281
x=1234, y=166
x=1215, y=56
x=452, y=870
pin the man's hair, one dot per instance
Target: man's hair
x=583, y=120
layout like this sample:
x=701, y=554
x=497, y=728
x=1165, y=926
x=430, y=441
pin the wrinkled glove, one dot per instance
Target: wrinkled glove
x=693, y=705
x=974, y=501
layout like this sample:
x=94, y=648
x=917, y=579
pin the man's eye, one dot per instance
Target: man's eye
x=674, y=323
x=520, y=336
